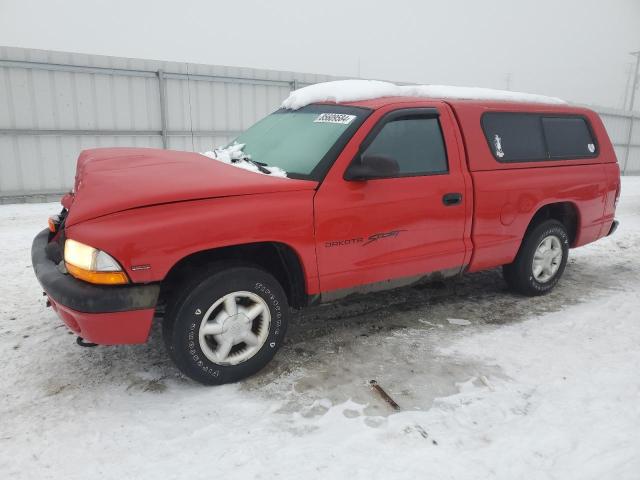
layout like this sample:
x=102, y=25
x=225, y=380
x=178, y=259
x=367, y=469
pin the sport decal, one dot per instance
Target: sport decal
x=379, y=236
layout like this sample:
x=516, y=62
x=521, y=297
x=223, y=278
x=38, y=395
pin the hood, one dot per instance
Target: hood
x=110, y=180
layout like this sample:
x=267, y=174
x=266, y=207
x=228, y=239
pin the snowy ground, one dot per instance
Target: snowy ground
x=507, y=387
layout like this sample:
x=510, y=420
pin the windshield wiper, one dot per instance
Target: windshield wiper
x=259, y=165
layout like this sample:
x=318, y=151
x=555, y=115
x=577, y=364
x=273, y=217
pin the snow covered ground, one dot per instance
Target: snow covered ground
x=504, y=386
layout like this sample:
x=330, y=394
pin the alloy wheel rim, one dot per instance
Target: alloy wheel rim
x=547, y=259
x=234, y=328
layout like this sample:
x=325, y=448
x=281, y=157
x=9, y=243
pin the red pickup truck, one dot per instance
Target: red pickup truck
x=313, y=204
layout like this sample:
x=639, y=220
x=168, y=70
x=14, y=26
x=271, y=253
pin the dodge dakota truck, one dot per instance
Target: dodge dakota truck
x=317, y=201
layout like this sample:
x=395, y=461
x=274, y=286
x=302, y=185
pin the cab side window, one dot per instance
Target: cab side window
x=416, y=143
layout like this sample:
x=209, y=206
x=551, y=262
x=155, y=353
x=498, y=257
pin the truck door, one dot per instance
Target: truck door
x=397, y=227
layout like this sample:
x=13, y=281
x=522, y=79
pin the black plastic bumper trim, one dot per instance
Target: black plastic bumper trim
x=85, y=297
x=614, y=227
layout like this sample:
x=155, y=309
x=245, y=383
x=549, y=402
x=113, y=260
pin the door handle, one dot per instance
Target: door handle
x=450, y=199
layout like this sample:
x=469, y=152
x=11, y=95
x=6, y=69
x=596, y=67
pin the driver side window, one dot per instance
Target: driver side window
x=416, y=143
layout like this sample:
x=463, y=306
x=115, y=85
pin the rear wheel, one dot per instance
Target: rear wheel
x=540, y=261
x=226, y=325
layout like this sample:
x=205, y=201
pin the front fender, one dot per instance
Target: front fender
x=149, y=241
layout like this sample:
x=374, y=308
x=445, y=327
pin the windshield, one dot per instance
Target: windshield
x=302, y=142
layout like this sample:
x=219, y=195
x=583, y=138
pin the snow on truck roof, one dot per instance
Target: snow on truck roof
x=341, y=91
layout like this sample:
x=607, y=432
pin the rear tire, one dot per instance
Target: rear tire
x=540, y=261
x=226, y=325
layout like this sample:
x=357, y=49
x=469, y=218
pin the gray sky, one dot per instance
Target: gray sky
x=574, y=49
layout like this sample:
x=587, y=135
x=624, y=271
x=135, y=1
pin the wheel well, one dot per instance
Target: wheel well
x=564, y=212
x=278, y=259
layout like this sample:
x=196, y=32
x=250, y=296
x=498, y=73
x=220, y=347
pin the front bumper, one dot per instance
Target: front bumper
x=100, y=314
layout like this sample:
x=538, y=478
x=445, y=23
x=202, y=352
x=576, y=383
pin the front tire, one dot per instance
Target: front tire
x=540, y=261
x=226, y=325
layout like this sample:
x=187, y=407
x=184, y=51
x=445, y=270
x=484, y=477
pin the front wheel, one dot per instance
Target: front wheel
x=541, y=260
x=226, y=325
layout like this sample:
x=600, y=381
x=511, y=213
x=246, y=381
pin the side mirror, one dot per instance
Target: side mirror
x=370, y=166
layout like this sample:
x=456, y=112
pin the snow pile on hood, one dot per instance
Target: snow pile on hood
x=354, y=90
x=233, y=155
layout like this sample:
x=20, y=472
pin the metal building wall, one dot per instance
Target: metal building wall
x=618, y=123
x=55, y=104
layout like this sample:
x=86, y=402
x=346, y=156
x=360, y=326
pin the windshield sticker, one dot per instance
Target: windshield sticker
x=591, y=147
x=341, y=118
x=497, y=141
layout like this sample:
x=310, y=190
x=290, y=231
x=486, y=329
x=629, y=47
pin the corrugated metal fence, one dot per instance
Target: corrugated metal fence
x=624, y=135
x=54, y=104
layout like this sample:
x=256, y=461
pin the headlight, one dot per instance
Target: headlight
x=92, y=265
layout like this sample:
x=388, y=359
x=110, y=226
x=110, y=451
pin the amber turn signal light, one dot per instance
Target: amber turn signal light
x=53, y=222
x=101, y=278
